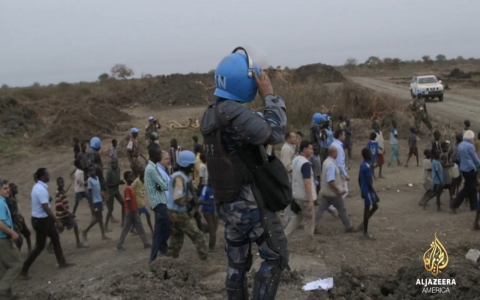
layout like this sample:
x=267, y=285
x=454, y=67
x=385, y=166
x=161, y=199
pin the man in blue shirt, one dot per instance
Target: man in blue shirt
x=373, y=146
x=208, y=212
x=437, y=178
x=469, y=162
x=9, y=254
x=340, y=160
x=365, y=180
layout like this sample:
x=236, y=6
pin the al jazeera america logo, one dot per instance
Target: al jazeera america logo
x=435, y=259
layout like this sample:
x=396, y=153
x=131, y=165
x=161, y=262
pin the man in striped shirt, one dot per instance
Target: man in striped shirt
x=156, y=187
x=62, y=211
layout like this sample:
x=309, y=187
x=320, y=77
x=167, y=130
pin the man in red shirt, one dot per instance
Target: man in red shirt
x=132, y=218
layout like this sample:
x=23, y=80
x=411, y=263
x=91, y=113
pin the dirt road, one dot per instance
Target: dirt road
x=455, y=108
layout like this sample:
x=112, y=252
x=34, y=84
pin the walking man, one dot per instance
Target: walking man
x=332, y=190
x=286, y=156
x=394, y=143
x=43, y=221
x=304, y=194
x=339, y=138
x=156, y=187
x=9, y=253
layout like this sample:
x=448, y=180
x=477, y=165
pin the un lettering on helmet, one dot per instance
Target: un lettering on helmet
x=221, y=81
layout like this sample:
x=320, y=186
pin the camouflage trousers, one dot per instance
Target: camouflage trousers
x=183, y=224
x=242, y=219
x=135, y=166
x=425, y=119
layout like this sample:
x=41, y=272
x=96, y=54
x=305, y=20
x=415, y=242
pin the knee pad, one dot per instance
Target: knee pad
x=236, y=291
x=265, y=288
x=247, y=264
x=275, y=238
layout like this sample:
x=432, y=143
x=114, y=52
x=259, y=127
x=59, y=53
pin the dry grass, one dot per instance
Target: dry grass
x=345, y=99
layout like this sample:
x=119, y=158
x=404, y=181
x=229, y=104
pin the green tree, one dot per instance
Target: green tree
x=441, y=58
x=350, y=63
x=4, y=87
x=396, y=63
x=121, y=71
x=460, y=58
x=103, y=77
x=373, y=62
x=427, y=60
x=36, y=84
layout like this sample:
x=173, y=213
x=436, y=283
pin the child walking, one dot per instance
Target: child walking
x=437, y=177
x=372, y=145
x=427, y=176
x=113, y=154
x=394, y=143
x=63, y=213
x=132, y=218
x=412, y=144
x=365, y=180
x=446, y=165
x=138, y=186
x=95, y=196
x=208, y=212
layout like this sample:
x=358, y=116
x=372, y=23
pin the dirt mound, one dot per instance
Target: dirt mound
x=177, y=89
x=84, y=118
x=352, y=283
x=458, y=74
x=16, y=118
x=319, y=73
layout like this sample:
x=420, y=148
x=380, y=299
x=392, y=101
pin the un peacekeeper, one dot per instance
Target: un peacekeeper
x=95, y=159
x=181, y=194
x=315, y=129
x=419, y=109
x=226, y=124
x=326, y=137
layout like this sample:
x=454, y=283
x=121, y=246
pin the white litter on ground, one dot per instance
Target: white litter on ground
x=320, y=284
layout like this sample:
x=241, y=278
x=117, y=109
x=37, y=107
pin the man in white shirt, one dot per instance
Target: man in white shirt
x=288, y=152
x=43, y=221
x=381, y=148
x=286, y=156
x=304, y=194
x=203, y=174
x=79, y=187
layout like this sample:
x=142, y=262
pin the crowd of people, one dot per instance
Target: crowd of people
x=232, y=176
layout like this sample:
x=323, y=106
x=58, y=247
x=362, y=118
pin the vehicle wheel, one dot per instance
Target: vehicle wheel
x=440, y=98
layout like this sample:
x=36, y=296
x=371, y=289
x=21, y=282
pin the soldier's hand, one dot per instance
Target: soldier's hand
x=263, y=83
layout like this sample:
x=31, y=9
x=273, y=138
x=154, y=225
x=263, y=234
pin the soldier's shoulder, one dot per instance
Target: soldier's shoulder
x=231, y=109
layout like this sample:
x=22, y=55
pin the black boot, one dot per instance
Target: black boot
x=476, y=226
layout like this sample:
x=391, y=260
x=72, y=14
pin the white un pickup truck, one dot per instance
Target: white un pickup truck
x=429, y=87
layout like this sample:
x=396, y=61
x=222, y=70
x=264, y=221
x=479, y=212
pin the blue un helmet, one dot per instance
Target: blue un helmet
x=318, y=118
x=234, y=79
x=419, y=93
x=186, y=158
x=95, y=143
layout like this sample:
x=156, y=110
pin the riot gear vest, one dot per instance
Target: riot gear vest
x=227, y=173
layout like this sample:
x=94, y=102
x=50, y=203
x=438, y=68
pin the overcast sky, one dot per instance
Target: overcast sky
x=50, y=41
